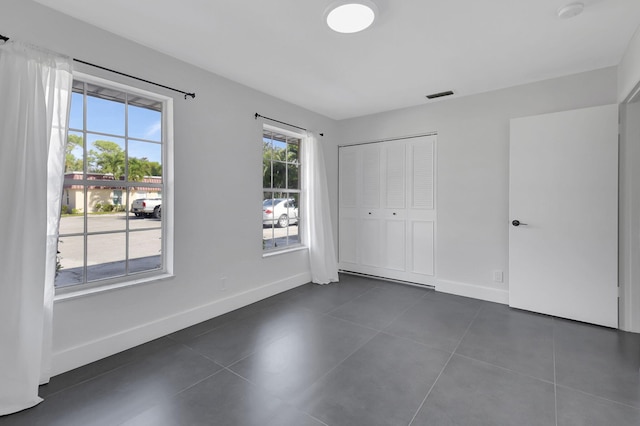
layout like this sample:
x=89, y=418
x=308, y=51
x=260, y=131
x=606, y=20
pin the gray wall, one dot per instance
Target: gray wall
x=217, y=138
x=218, y=162
x=473, y=168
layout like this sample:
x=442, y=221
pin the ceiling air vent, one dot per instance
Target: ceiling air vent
x=439, y=95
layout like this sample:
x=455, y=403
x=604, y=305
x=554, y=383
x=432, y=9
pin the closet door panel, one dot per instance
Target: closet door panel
x=348, y=240
x=394, y=247
x=422, y=175
x=393, y=173
x=370, y=187
x=369, y=242
x=422, y=256
x=348, y=178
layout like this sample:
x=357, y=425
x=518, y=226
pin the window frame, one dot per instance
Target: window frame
x=301, y=244
x=166, y=188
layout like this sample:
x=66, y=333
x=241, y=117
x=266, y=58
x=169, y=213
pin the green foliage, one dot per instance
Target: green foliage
x=71, y=162
x=280, y=165
x=139, y=168
x=108, y=157
x=67, y=210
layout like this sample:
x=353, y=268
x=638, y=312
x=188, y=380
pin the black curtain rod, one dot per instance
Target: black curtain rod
x=282, y=122
x=193, y=95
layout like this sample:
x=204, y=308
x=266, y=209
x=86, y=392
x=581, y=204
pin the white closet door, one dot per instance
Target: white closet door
x=393, y=212
x=348, y=214
x=387, y=209
x=369, y=238
x=422, y=217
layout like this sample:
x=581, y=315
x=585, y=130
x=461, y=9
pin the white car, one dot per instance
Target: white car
x=147, y=207
x=280, y=212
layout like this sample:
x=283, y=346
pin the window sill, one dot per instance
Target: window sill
x=109, y=287
x=283, y=251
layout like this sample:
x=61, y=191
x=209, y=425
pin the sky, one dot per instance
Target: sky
x=104, y=116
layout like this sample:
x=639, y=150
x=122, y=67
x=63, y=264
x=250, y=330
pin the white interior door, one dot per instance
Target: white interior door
x=564, y=192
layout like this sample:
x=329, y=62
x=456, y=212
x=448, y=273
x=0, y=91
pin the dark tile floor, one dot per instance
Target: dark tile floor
x=361, y=352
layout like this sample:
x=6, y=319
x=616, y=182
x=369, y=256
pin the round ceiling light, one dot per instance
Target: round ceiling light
x=351, y=17
x=570, y=10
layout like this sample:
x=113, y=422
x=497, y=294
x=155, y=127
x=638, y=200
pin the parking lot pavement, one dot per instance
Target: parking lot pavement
x=280, y=237
x=106, y=253
x=73, y=276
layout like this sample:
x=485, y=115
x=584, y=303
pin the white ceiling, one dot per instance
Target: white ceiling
x=416, y=47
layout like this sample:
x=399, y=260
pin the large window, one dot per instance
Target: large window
x=112, y=225
x=281, y=214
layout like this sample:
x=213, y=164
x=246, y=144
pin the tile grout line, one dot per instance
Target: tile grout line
x=342, y=361
x=88, y=379
x=601, y=398
x=349, y=301
x=235, y=373
x=414, y=303
x=433, y=385
x=353, y=323
x=508, y=370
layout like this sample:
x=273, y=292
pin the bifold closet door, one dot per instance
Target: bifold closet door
x=387, y=209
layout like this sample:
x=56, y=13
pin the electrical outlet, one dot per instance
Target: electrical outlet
x=223, y=283
x=498, y=276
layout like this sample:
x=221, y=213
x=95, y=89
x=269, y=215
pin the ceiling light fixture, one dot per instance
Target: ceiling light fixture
x=350, y=16
x=570, y=10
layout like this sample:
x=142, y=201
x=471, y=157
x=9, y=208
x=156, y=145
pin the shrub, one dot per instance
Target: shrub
x=107, y=207
x=64, y=209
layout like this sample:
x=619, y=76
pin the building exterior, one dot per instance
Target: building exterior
x=73, y=196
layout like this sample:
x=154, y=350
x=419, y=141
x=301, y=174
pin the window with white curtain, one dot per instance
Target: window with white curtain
x=281, y=168
x=112, y=227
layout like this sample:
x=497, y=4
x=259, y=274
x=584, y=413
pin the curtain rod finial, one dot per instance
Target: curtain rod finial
x=256, y=116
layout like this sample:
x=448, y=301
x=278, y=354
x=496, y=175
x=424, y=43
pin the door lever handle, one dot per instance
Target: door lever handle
x=517, y=223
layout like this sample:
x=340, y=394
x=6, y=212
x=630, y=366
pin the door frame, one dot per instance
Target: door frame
x=629, y=200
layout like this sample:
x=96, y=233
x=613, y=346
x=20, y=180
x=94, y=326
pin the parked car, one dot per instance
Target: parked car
x=280, y=212
x=147, y=207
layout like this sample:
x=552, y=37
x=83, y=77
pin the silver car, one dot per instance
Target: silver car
x=280, y=212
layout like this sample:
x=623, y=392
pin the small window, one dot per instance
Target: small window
x=111, y=226
x=281, y=213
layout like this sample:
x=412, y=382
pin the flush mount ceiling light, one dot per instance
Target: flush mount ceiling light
x=350, y=16
x=570, y=10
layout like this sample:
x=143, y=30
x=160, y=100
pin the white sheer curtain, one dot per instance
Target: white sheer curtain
x=317, y=226
x=35, y=90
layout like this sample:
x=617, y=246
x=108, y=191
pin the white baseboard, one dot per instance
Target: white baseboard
x=103, y=347
x=489, y=294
